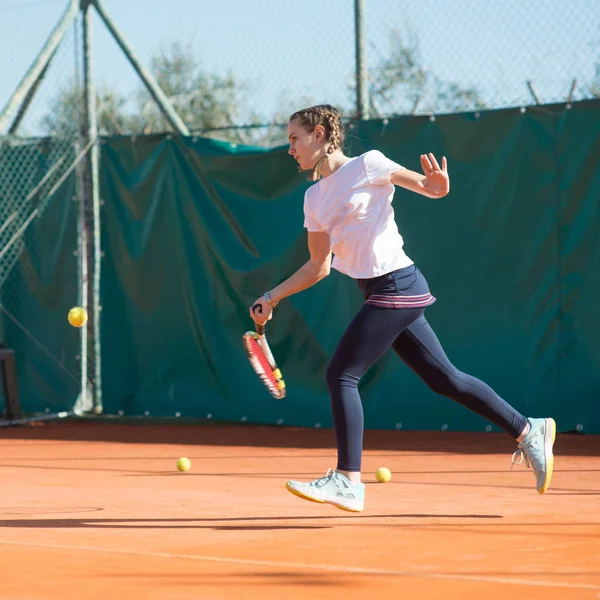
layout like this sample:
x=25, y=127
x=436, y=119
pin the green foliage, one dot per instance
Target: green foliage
x=401, y=83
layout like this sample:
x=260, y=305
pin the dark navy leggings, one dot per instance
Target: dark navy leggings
x=370, y=334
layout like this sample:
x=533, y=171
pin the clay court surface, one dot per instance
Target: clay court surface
x=96, y=510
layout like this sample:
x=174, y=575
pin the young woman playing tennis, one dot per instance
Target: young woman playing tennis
x=348, y=212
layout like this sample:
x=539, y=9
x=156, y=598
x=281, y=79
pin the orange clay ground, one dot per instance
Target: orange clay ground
x=95, y=510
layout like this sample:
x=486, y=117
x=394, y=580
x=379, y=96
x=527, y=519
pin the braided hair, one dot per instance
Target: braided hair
x=329, y=117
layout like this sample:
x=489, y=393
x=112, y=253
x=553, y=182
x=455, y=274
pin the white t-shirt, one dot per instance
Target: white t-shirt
x=354, y=206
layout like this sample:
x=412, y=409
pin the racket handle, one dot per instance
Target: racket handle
x=260, y=329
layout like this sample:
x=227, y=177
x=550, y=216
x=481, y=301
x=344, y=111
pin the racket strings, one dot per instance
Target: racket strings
x=269, y=375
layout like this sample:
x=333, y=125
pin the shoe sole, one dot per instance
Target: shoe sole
x=298, y=493
x=549, y=437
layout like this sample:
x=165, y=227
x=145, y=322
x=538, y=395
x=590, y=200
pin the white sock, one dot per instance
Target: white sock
x=525, y=432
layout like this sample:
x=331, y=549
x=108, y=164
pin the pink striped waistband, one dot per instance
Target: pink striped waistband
x=385, y=301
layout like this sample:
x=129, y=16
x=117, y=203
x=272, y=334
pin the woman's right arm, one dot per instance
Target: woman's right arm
x=317, y=268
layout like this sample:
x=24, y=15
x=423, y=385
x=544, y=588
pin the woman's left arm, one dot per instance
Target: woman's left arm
x=434, y=183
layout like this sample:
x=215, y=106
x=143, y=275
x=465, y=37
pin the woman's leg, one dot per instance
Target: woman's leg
x=368, y=336
x=366, y=339
x=420, y=349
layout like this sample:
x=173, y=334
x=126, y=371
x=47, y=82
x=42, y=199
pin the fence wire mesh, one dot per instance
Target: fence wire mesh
x=40, y=191
x=235, y=70
x=440, y=57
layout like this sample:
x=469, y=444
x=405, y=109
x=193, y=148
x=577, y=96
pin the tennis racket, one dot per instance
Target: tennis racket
x=262, y=361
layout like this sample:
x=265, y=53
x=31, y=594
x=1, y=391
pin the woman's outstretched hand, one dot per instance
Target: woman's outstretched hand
x=438, y=181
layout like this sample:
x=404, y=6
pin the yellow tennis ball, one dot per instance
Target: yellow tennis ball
x=78, y=316
x=383, y=475
x=184, y=464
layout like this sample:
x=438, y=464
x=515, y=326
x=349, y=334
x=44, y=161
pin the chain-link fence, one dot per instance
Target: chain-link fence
x=235, y=70
x=41, y=224
x=438, y=56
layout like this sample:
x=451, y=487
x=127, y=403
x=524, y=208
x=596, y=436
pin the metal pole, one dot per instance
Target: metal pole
x=84, y=401
x=94, y=161
x=145, y=75
x=362, y=78
x=29, y=97
x=533, y=92
x=40, y=63
x=572, y=90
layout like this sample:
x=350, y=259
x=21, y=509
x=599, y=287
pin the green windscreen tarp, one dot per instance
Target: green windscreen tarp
x=38, y=273
x=194, y=230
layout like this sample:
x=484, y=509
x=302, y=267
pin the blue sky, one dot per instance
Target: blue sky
x=305, y=51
